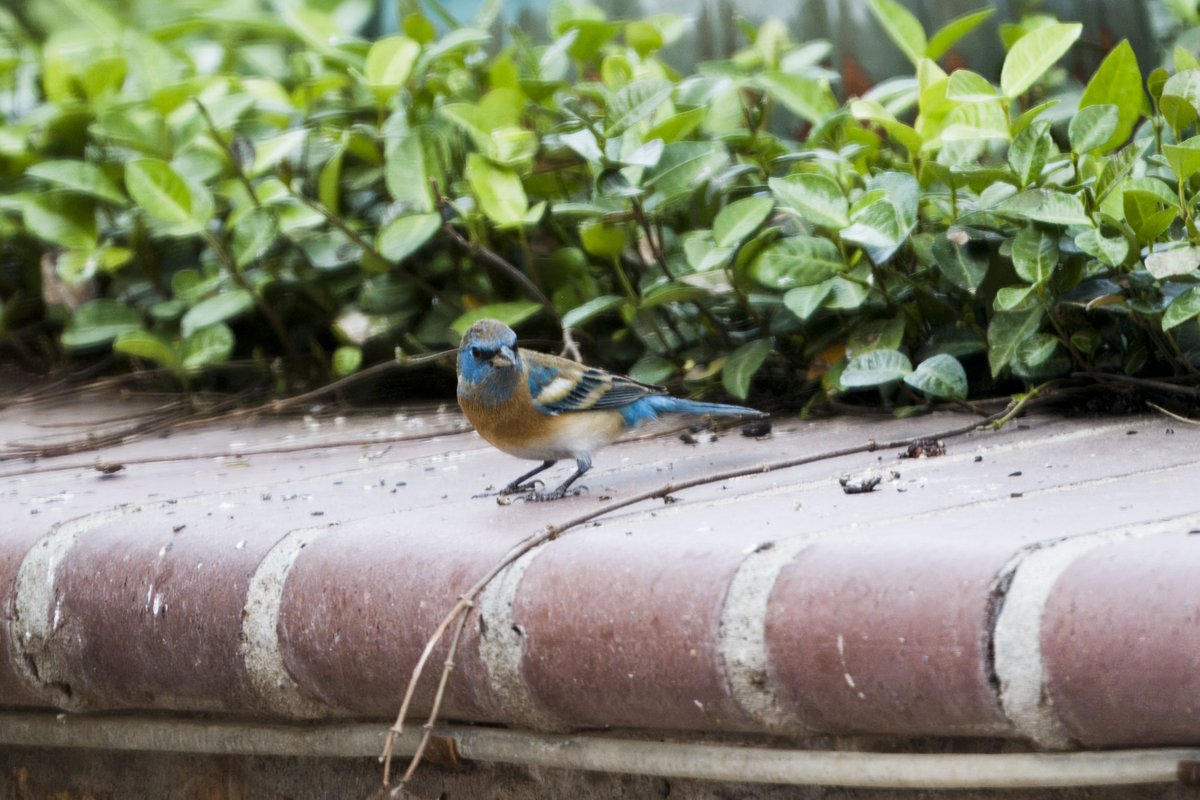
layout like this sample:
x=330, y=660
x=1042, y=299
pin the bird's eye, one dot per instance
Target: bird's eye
x=481, y=353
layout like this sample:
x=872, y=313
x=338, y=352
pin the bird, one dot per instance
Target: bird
x=543, y=407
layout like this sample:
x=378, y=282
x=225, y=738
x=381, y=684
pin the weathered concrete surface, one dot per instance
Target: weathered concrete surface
x=303, y=583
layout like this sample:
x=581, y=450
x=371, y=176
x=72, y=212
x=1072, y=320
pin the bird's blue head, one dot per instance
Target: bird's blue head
x=488, y=357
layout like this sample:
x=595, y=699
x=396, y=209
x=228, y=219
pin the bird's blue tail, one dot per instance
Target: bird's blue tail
x=653, y=406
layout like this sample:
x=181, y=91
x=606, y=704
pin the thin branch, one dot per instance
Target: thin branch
x=466, y=601
x=1147, y=383
x=263, y=307
x=1173, y=415
x=491, y=257
x=229, y=153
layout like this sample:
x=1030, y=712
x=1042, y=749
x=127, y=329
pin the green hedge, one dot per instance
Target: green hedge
x=263, y=186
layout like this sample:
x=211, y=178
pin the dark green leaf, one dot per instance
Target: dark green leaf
x=939, y=376
x=965, y=265
x=1183, y=308
x=875, y=368
x=1035, y=254
x=1007, y=331
x=207, y=346
x=511, y=314
x=741, y=365
x=796, y=261
x=739, y=219
x=402, y=237
x=218, y=308
x=98, y=322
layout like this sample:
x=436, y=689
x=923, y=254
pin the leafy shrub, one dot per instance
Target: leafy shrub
x=271, y=187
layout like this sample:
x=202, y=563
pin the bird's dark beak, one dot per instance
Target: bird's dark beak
x=504, y=358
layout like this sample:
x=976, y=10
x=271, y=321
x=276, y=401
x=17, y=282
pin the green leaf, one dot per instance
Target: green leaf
x=902, y=28
x=1112, y=251
x=940, y=376
x=739, y=219
x=796, y=261
x=683, y=168
x=875, y=369
x=146, y=345
x=741, y=365
x=810, y=99
x=969, y=87
x=878, y=229
x=964, y=266
x=1165, y=264
x=1034, y=53
x=1118, y=166
x=389, y=64
x=601, y=239
x=407, y=170
x=499, y=191
x=254, y=235
x=1035, y=254
x=1008, y=329
x=952, y=31
x=815, y=198
x=1045, y=205
x=347, y=360
x=1184, y=158
x=207, y=346
x=402, y=236
x=593, y=308
x=1118, y=81
x=511, y=314
x=677, y=127
x=673, y=292
x=634, y=102
x=159, y=190
x=1181, y=98
x=1184, y=307
x=98, y=322
x=78, y=176
x=1092, y=127
x=63, y=219
x=652, y=369
x=803, y=301
x=271, y=152
x=1029, y=151
x=220, y=307
x=1145, y=213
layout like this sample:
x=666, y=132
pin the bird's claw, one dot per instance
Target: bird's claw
x=519, y=488
x=557, y=494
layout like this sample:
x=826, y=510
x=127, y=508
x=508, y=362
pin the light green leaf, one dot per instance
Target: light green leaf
x=1181, y=98
x=220, y=307
x=816, y=199
x=796, y=261
x=1008, y=329
x=207, y=346
x=63, y=219
x=877, y=228
x=1034, y=53
x=389, y=64
x=940, y=376
x=347, y=360
x=1112, y=251
x=969, y=87
x=407, y=170
x=964, y=266
x=952, y=31
x=634, y=102
x=1092, y=127
x=1035, y=254
x=1184, y=157
x=1165, y=264
x=741, y=365
x=1145, y=213
x=146, y=345
x=511, y=314
x=1016, y=298
x=1045, y=205
x=739, y=219
x=98, y=322
x=78, y=176
x=875, y=369
x=810, y=99
x=159, y=190
x=683, y=168
x=673, y=292
x=1184, y=307
x=1029, y=151
x=676, y=127
x=593, y=308
x=402, y=236
x=269, y=153
x=902, y=28
x=254, y=235
x=499, y=191
x=1118, y=81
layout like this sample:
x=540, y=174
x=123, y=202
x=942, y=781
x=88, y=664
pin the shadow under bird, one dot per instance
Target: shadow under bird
x=542, y=407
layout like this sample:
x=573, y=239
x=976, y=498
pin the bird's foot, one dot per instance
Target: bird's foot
x=557, y=494
x=521, y=488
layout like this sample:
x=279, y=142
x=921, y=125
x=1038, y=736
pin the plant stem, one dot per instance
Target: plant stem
x=239, y=278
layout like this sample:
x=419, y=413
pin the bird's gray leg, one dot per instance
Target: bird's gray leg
x=583, y=464
x=519, y=485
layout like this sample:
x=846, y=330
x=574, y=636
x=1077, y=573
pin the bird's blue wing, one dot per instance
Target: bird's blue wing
x=557, y=385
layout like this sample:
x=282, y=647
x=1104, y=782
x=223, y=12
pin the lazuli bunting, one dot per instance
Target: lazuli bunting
x=538, y=406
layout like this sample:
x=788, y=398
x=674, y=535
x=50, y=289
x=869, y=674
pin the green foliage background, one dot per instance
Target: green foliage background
x=253, y=183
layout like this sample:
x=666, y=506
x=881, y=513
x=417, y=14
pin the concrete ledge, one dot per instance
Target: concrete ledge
x=969, y=598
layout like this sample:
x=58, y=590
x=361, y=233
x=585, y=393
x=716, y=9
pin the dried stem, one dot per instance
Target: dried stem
x=466, y=601
x=492, y=258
